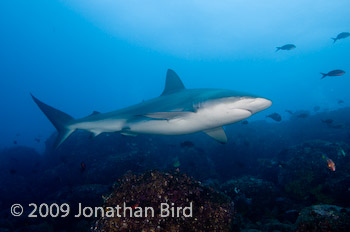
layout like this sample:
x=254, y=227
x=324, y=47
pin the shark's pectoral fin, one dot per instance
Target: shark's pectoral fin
x=168, y=115
x=218, y=134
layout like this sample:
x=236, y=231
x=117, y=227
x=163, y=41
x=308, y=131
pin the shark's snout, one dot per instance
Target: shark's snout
x=251, y=104
x=258, y=104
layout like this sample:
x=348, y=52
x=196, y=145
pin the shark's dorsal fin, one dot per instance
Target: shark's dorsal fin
x=173, y=83
x=218, y=134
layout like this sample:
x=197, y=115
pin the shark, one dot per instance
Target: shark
x=176, y=111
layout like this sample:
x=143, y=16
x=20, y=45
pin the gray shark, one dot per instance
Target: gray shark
x=176, y=111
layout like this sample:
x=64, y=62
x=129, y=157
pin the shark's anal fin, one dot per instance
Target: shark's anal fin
x=218, y=134
x=173, y=83
x=95, y=132
x=168, y=115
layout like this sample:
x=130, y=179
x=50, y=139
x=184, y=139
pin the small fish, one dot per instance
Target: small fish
x=187, y=144
x=342, y=152
x=303, y=115
x=317, y=108
x=286, y=47
x=15, y=142
x=327, y=121
x=289, y=112
x=340, y=102
x=333, y=73
x=338, y=126
x=331, y=165
x=275, y=116
x=177, y=164
x=245, y=122
x=82, y=167
x=342, y=35
x=13, y=171
x=37, y=140
x=248, y=201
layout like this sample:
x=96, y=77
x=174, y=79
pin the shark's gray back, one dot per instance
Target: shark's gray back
x=182, y=100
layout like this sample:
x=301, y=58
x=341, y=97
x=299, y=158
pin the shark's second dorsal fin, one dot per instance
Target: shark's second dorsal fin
x=173, y=83
x=94, y=113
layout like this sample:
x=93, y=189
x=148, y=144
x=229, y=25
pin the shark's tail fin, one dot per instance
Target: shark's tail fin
x=278, y=48
x=334, y=39
x=324, y=75
x=59, y=119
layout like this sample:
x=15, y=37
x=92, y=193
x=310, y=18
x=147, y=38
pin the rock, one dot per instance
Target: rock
x=90, y=194
x=43, y=227
x=324, y=218
x=253, y=197
x=304, y=175
x=212, y=211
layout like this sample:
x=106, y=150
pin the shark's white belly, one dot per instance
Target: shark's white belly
x=98, y=127
x=193, y=122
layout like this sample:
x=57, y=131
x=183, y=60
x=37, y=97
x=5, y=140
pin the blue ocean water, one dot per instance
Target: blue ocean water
x=82, y=56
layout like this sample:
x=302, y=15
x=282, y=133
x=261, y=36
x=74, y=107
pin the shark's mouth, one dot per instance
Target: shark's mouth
x=251, y=112
x=257, y=105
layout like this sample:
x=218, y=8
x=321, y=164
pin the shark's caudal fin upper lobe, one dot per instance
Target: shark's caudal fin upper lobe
x=58, y=118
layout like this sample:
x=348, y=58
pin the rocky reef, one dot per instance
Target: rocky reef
x=212, y=211
x=323, y=218
x=281, y=179
x=304, y=175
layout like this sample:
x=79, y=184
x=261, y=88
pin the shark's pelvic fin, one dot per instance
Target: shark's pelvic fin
x=218, y=134
x=168, y=115
x=128, y=134
x=58, y=118
x=173, y=83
